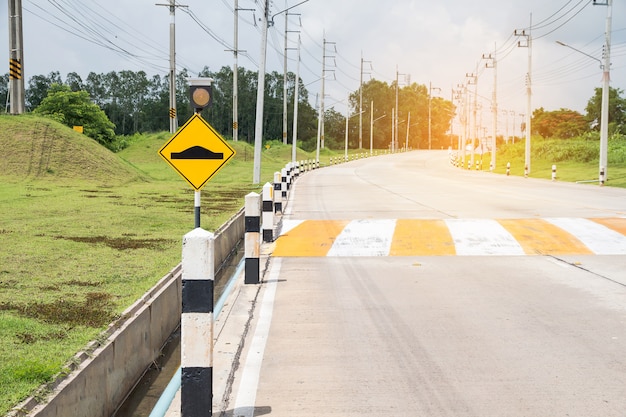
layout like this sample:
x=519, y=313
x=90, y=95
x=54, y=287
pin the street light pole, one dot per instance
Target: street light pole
x=605, y=65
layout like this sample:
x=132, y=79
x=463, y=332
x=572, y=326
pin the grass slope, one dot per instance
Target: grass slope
x=85, y=232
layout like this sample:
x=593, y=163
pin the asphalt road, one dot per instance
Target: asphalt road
x=487, y=322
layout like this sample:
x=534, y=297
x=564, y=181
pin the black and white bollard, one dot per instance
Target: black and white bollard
x=553, y=172
x=601, y=176
x=198, y=274
x=526, y=171
x=283, y=174
x=252, y=241
x=268, y=213
x=508, y=169
x=278, y=200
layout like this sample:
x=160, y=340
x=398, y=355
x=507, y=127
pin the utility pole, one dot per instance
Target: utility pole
x=236, y=72
x=430, y=98
x=285, y=79
x=172, y=74
x=606, y=78
x=295, y=106
x=494, y=105
x=16, y=58
x=236, y=75
x=320, y=127
x=473, y=80
x=528, y=91
x=260, y=96
x=361, y=102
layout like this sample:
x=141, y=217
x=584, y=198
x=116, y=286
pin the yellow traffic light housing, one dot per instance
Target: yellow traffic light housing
x=200, y=93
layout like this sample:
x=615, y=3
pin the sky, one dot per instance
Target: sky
x=434, y=43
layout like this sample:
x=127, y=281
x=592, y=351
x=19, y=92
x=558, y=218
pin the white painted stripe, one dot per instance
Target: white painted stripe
x=246, y=395
x=482, y=237
x=287, y=225
x=196, y=340
x=364, y=238
x=599, y=238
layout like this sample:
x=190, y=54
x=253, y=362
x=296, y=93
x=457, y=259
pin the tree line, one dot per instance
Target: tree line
x=137, y=103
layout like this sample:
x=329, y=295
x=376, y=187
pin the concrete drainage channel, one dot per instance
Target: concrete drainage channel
x=161, y=375
x=103, y=375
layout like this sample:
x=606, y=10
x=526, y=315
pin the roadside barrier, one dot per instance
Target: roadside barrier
x=278, y=201
x=553, y=172
x=268, y=213
x=196, y=335
x=252, y=242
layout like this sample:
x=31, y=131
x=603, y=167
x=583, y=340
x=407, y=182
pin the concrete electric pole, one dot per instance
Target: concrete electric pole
x=16, y=58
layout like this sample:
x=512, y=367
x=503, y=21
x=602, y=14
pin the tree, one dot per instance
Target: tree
x=4, y=91
x=38, y=87
x=617, y=109
x=74, y=108
x=562, y=124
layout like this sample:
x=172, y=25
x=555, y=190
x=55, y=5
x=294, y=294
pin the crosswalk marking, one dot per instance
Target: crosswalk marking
x=482, y=237
x=537, y=236
x=461, y=237
x=364, y=238
x=597, y=237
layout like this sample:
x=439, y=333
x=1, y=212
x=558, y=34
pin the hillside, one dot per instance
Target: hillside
x=39, y=148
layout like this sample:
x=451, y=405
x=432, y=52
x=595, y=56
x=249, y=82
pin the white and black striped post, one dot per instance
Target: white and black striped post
x=553, y=172
x=198, y=274
x=526, y=171
x=283, y=174
x=508, y=169
x=278, y=200
x=601, y=176
x=268, y=213
x=252, y=242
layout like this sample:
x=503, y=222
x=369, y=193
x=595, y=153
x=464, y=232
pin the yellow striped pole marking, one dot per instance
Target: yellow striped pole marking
x=537, y=236
x=414, y=237
x=309, y=238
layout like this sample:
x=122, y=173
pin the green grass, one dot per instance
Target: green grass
x=575, y=160
x=85, y=232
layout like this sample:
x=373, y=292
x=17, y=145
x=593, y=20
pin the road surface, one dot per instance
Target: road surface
x=402, y=286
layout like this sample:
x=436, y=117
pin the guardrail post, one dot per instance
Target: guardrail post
x=252, y=242
x=268, y=213
x=278, y=202
x=197, y=324
x=508, y=169
x=526, y=171
x=553, y=172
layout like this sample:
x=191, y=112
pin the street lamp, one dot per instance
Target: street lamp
x=604, y=112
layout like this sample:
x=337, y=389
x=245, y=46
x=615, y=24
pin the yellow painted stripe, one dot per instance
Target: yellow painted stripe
x=537, y=236
x=421, y=238
x=309, y=238
x=614, y=223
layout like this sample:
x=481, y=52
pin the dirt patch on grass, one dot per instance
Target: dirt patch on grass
x=119, y=243
x=96, y=310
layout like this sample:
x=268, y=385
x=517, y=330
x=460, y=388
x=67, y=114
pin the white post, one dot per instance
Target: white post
x=278, y=201
x=198, y=274
x=268, y=213
x=252, y=244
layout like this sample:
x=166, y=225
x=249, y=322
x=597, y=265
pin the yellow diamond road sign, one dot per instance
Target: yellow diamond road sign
x=197, y=151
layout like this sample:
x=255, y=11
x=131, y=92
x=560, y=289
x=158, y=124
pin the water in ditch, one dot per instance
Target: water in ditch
x=148, y=390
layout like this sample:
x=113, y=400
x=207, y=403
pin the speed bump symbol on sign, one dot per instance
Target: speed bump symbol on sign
x=197, y=152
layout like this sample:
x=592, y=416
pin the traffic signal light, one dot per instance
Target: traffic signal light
x=200, y=93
